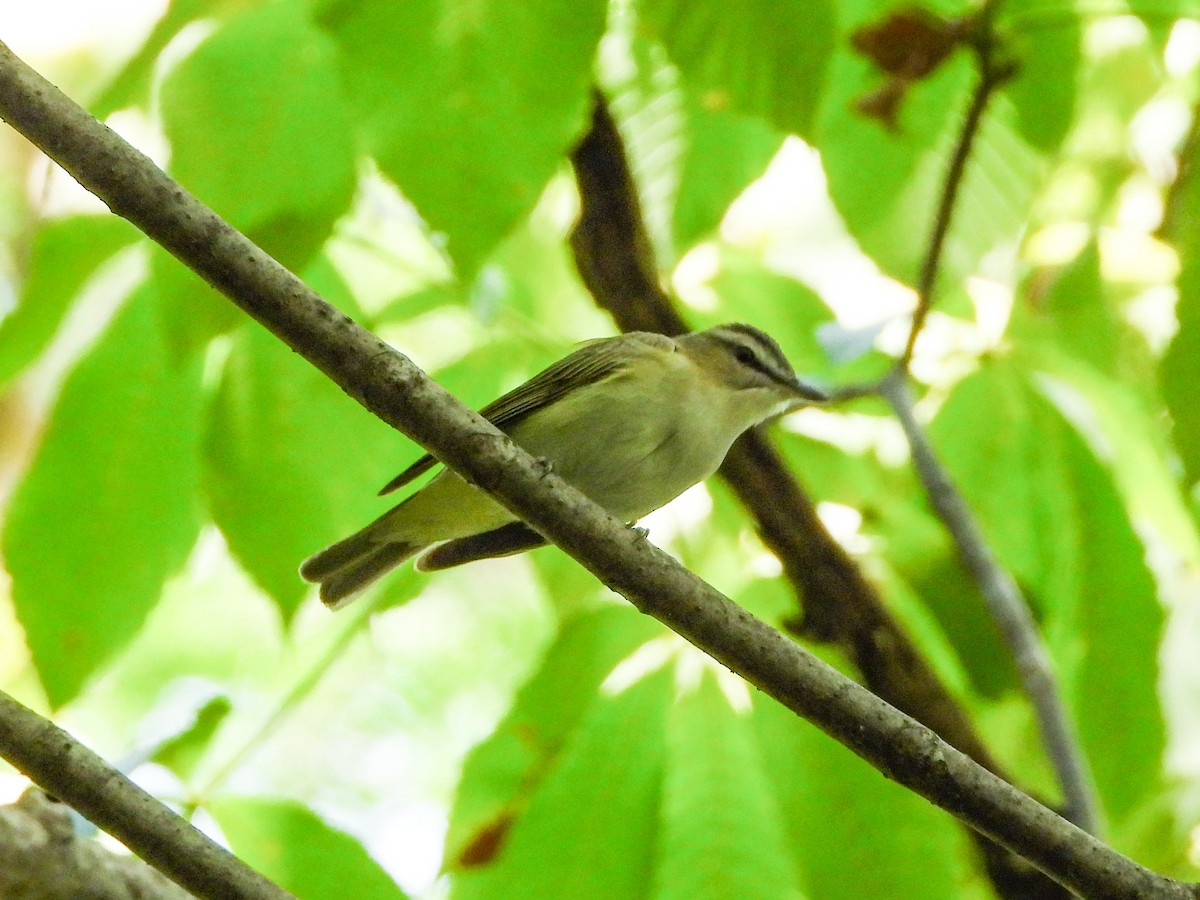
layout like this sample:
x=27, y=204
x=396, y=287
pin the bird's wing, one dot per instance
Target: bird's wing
x=594, y=361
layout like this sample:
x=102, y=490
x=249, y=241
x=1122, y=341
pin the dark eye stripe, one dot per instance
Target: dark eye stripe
x=764, y=342
x=756, y=350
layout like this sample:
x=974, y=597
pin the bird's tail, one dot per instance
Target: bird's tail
x=347, y=567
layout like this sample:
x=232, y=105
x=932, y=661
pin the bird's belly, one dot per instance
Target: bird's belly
x=629, y=462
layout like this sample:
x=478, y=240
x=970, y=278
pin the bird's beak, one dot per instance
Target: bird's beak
x=807, y=392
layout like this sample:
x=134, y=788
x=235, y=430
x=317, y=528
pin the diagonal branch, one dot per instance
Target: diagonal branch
x=69, y=771
x=389, y=385
x=612, y=252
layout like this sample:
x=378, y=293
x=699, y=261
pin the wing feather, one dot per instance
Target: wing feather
x=594, y=361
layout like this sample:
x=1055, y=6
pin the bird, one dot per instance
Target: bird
x=632, y=421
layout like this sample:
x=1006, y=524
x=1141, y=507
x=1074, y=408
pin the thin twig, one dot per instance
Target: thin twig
x=614, y=257
x=1009, y=611
x=1004, y=600
x=393, y=388
x=992, y=74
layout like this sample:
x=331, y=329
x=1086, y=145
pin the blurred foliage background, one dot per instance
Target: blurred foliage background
x=510, y=729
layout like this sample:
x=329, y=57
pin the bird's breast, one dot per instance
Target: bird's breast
x=637, y=440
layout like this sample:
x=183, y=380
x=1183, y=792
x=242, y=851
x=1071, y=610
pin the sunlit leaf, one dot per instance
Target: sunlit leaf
x=588, y=828
x=64, y=255
x=1180, y=371
x=1047, y=58
x=132, y=84
x=722, y=834
x=766, y=59
x=108, y=510
x=887, y=184
x=470, y=130
x=299, y=851
x=264, y=87
x=691, y=156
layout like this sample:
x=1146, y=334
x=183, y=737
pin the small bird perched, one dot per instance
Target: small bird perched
x=632, y=421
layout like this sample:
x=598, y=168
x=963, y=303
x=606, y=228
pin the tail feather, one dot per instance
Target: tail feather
x=342, y=586
x=337, y=556
x=347, y=567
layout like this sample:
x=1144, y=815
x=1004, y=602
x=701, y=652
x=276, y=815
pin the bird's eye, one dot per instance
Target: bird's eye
x=745, y=356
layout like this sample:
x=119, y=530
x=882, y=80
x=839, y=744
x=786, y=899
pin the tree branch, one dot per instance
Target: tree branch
x=393, y=388
x=42, y=856
x=1004, y=601
x=612, y=252
x=66, y=769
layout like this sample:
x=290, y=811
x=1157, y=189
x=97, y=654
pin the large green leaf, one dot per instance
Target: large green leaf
x=726, y=152
x=470, y=108
x=501, y=773
x=291, y=462
x=1180, y=372
x=887, y=183
x=1078, y=314
x=259, y=129
x=854, y=833
x=1108, y=644
x=1003, y=446
x=1055, y=517
x=722, y=835
x=108, y=510
x=763, y=58
x=589, y=827
x=64, y=255
x=299, y=851
x=1043, y=42
x=690, y=155
x=132, y=84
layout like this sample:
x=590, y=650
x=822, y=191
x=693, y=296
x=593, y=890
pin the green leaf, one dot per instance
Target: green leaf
x=1108, y=644
x=108, y=510
x=259, y=129
x=722, y=835
x=854, y=833
x=690, y=156
x=291, y=462
x=1054, y=516
x=1004, y=448
x=589, y=827
x=181, y=752
x=726, y=152
x=887, y=184
x=299, y=851
x=501, y=772
x=1048, y=58
x=64, y=255
x=133, y=83
x=475, y=114
x=1180, y=370
x=762, y=58
x=1079, y=314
